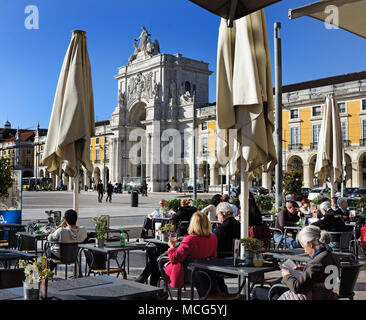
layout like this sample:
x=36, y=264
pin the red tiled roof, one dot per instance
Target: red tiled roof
x=23, y=136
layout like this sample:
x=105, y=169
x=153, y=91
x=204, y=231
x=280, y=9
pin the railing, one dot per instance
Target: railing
x=296, y=146
x=346, y=143
x=313, y=145
x=362, y=142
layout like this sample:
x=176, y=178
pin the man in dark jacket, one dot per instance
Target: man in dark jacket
x=184, y=213
x=225, y=233
x=343, y=208
x=331, y=221
x=287, y=217
x=109, y=192
x=100, y=189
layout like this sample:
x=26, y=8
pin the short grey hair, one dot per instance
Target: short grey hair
x=325, y=206
x=319, y=238
x=289, y=204
x=340, y=201
x=225, y=209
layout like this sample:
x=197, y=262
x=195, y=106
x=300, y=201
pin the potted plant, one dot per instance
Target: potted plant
x=164, y=230
x=252, y=248
x=100, y=231
x=36, y=278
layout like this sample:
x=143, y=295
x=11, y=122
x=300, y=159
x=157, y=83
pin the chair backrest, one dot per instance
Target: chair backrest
x=25, y=243
x=348, y=279
x=343, y=238
x=69, y=252
x=182, y=228
x=95, y=260
x=11, y=278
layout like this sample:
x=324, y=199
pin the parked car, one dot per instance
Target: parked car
x=305, y=192
x=346, y=192
x=358, y=193
x=258, y=190
x=317, y=191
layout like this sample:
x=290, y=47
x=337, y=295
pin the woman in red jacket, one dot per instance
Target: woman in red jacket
x=199, y=243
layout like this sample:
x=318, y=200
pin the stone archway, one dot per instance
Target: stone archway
x=295, y=163
x=96, y=175
x=362, y=170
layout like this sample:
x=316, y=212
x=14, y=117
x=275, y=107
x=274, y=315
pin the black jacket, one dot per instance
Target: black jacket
x=332, y=221
x=225, y=233
x=345, y=215
x=184, y=214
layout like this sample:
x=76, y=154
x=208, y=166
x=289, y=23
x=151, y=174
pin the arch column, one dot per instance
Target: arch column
x=307, y=175
x=355, y=175
x=267, y=180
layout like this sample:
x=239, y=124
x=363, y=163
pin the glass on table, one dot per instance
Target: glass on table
x=173, y=237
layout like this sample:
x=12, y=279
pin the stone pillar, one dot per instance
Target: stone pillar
x=70, y=184
x=267, y=180
x=112, y=169
x=213, y=176
x=57, y=181
x=155, y=151
x=307, y=175
x=355, y=175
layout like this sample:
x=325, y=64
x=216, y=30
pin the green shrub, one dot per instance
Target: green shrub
x=174, y=203
x=201, y=203
x=318, y=200
x=6, y=177
x=235, y=201
x=292, y=182
x=264, y=202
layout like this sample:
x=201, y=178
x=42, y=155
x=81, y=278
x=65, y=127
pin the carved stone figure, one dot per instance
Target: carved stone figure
x=121, y=98
x=186, y=97
x=155, y=47
x=143, y=38
x=134, y=55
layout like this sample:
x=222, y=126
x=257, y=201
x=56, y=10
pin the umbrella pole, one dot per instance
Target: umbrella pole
x=331, y=182
x=244, y=204
x=76, y=191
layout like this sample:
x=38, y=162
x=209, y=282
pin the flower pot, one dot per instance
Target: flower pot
x=31, y=291
x=43, y=288
x=99, y=243
x=164, y=236
x=248, y=257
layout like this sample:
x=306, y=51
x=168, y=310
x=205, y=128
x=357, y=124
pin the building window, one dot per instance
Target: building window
x=294, y=114
x=363, y=103
x=315, y=130
x=97, y=156
x=342, y=107
x=294, y=136
x=204, y=125
x=344, y=130
x=204, y=147
x=317, y=111
x=96, y=140
x=187, y=87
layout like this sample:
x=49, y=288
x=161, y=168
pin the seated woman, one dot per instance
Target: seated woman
x=312, y=284
x=199, y=243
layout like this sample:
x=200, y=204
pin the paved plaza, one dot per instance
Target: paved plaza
x=122, y=214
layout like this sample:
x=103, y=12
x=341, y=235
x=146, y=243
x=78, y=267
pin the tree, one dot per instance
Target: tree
x=6, y=177
x=292, y=182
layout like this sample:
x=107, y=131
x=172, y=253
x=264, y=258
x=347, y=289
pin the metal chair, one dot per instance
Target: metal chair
x=69, y=252
x=344, y=240
x=348, y=279
x=273, y=244
x=28, y=244
x=182, y=228
x=11, y=278
x=189, y=278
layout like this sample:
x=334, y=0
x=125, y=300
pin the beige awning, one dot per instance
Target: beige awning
x=244, y=98
x=72, y=120
x=351, y=14
x=330, y=154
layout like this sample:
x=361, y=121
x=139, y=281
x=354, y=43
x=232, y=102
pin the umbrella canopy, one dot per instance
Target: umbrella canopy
x=244, y=98
x=351, y=14
x=72, y=120
x=330, y=155
x=233, y=9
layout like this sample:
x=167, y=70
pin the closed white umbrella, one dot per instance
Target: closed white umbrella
x=330, y=154
x=244, y=98
x=72, y=120
x=346, y=14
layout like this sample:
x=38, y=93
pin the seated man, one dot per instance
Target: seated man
x=343, y=208
x=148, y=222
x=287, y=217
x=66, y=232
x=225, y=233
x=331, y=221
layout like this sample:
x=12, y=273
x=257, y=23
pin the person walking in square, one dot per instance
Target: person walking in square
x=109, y=192
x=100, y=190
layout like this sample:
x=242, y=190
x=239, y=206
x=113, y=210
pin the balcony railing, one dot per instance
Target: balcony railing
x=313, y=145
x=346, y=143
x=363, y=142
x=296, y=146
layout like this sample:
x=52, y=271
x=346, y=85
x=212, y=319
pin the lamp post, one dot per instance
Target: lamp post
x=194, y=149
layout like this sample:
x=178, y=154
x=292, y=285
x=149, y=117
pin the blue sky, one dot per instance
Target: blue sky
x=30, y=60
